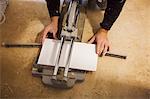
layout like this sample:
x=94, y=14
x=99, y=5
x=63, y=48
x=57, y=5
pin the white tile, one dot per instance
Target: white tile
x=83, y=55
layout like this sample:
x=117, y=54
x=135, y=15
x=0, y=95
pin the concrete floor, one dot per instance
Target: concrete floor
x=114, y=78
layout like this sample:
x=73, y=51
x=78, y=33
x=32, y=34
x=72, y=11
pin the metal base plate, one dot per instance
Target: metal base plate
x=59, y=81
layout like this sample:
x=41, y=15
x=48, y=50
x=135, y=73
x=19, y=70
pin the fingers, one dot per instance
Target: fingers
x=91, y=40
x=44, y=35
x=55, y=36
x=98, y=46
x=105, y=49
x=102, y=47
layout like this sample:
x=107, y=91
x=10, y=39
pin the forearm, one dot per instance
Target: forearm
x=54, y=20
x=112, y=12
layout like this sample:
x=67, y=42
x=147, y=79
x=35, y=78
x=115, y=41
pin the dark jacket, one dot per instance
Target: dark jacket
x=112, y=11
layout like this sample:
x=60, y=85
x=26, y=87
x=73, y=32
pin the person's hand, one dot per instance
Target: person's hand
x=102, y=42
x=51, y=28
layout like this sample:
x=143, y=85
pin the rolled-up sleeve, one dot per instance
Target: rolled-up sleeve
x=112, y=12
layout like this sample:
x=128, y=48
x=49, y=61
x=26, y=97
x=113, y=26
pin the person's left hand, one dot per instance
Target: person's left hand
x=102, y=42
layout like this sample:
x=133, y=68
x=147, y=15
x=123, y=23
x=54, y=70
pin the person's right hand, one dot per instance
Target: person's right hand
x=51, y=28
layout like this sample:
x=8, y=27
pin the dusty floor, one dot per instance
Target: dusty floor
x=114, y=78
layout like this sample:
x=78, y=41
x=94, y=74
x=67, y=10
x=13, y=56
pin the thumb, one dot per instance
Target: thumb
x=91, y=40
